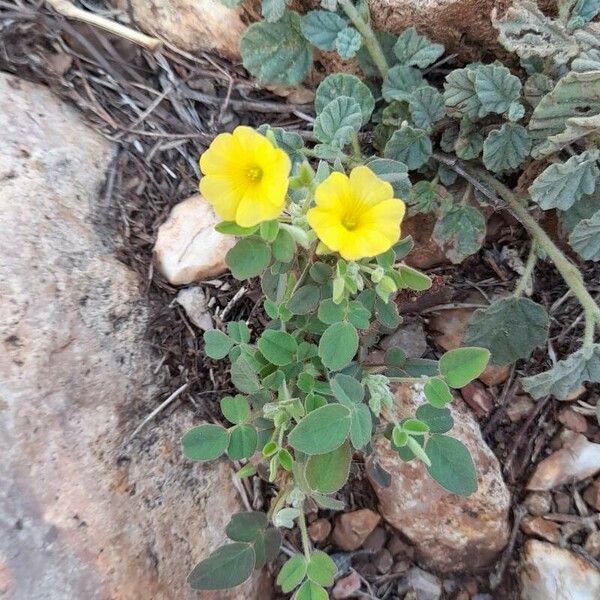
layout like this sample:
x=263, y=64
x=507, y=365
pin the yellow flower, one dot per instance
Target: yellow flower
x=245, y=177
x=356, y=216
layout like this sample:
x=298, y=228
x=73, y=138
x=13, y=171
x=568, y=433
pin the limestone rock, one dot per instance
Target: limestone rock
x=575, y=461
x=194, y=303
x=192, y=24
x=82, y=513
x=546, y=571
x=187, y=247
x=450, y=533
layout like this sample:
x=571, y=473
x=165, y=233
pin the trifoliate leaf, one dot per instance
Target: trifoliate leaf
x=410, y=146
x=510, y=328
x=506, y=148
x=525, y=30
x=277, y=52
x=321, y=28
x=561, y=116
x=585, y=238
x=562, y=184
x=566, y=375
x=426, y=107
x=393, y=172
x=342, y=84
x=338, y=121
x=537, y=86
x=460, y=232
x=348, y=43
x=401, y=81
x=416, y=50
x=496, y=87
x=460, y=96
x=469, y=142
x=273, y=10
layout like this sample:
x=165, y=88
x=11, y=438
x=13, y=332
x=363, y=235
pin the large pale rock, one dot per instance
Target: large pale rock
x=450, y=533
x=83, y=513
x=192, y=24
x=547, y=572
x=187, y=247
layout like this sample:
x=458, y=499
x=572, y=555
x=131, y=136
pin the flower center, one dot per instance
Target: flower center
x=254, y=174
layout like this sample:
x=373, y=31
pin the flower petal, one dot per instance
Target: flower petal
x=333, y=192
x=367, y=188
x=223, y=194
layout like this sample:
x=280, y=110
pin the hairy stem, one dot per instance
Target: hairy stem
x=356, y=151
x=371, y=42
x=304, y=534
x=528, y=270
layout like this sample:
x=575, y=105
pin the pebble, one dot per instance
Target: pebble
x=194, y=303
x=425, y=585
x=573, y=420
x=563, y=502
x=542, y=528
x=410, y=336
x=352, y=529
x=520, y=407
x=538, y=503
x=319, y=530
x=592, y=495
x=479, y=398
x=384, y=561
x=346, y=587
x=375, y=540
x=592, y=544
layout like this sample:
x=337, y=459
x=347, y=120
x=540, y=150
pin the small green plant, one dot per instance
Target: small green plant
x=324, y=238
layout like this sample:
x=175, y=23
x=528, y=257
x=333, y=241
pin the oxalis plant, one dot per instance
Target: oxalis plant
x=321, y=228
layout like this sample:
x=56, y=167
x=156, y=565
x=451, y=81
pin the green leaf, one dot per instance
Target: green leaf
x=217, y=344
x=415, y=427
x=235, y=409
x=289, y=141
x=277, y=52
x=348, y=43
x=424, y=197
x=439, y=420
x=246, y=526
x=311, y=591
x=239, y=331
x=463, y=365
x=410, y=146
x=358, y=315
x=393, y=172
x=292, y=573
x=273, y=10
x=278, y=347
x=342, y=84
x=320, y=273
x=321, y=568
x=338, y=121
x=437, y=392
x=562, y=184
x=511, y=328
x=400, y=82
x=225, y=568
x=416, y=50
x=566, y=375
x=535, y=87
x=330, y=312
x=321, y=28
x=205, y=442
x=266, y=547
x=386, y=41
x=248, y=258
x=284, y=246
x=304, y=300
x=460, y=96
x=338, y=345
x=413, y=279
x=506, y=148
x=469, y=142
x=584, y=209
x=347, y=390
x=268, y=230
x=327, y=502
x=232, y=228
x=460, y=232
x=426, y=107
x=361, y=426
x=244, y=377
x=243, y=440
x=322, y=430
x=313, y=401
x=585, y=238
x=327, y=473
x=387, y=313
x=569, y=112
x=496, y=87
x=451, y=465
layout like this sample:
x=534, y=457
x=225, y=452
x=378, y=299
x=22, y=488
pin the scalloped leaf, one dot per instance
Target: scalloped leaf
x=496, y=87
x=277, y=52
x=321, y=28
x=562, y=184
x=506, y=148
x=343, y=84
x=584, y=209
x=585, y=238
x=510, y=328
x=393, y=172
x=566, y=375
x=410, y=146
x=273, y=10
x=460, y=96
x=416, y=50
x=426, y=107
x=469, y=142
x=401, y=81
x=460, y=232
x=348, y=43
x=338, y=121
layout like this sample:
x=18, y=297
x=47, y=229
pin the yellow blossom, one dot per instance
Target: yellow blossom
x=245, y=177
x=356, y=216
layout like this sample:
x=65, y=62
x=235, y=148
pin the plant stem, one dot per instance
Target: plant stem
x=569, y=272
x=588, y=336
x=304, y=534
x=356, y=152
x=528, y=270
x=371, y=42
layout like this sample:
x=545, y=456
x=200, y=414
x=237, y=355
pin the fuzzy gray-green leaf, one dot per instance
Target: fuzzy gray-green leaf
x=416, y=50
x=496, y=87
x=562, y=184
x=393, y=172
x=506, y=148
x=273, y=10
x=460, y=96
x=410, y=146
x=348, y=43
x=426, y=107
x=460, y=232
x=343, y=84
x=321, y=28
x=338, y=121
x=401, y=81
x=585, y=238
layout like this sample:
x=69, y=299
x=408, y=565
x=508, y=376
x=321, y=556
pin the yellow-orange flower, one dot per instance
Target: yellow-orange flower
x=245, y=177
x=356, y=216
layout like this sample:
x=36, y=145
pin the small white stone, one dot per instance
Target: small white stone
x=187, y=247
x=194, y=303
